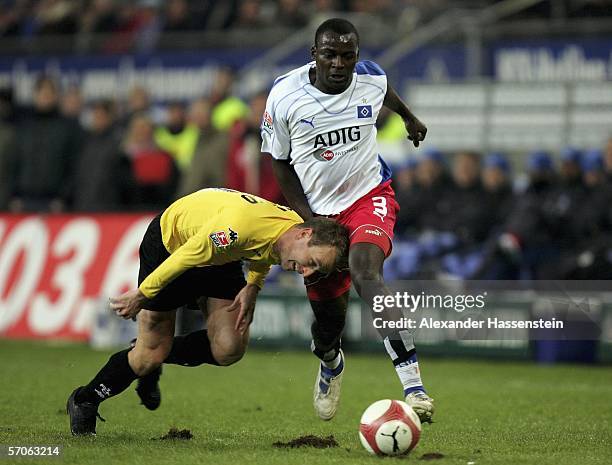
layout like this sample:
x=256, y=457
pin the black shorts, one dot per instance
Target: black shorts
x=219, y=281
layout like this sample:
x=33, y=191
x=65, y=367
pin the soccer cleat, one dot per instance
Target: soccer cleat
x=82, y=416
x=422, y=404
x=148, y=389
x=327, y=390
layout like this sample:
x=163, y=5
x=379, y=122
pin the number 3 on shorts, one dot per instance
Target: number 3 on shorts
x=380, y=207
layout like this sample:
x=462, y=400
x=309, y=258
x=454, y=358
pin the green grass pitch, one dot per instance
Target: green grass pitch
x=487, y=412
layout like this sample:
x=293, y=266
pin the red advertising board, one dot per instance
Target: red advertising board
x=56, y=269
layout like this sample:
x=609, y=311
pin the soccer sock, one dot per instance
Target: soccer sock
x=334, y=363
x=114, y=378
x=328, y=373
x=191, y=350
x=402, y=352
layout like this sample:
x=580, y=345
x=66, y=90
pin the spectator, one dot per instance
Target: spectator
x=138, y=26
x=406, y=192
x=498, y=187
x=209, y=162
x=608, y=159
x=433, y=192
x=470, y=218
x=587, y=255
x=247, y=170
x=102, y=173
x=570, y=173
x=46, y=150
x=227, y=109
x=291, y=14
x=541, y=173
x=56, y=17
x=72, y=104
x=153, y=172
x=177, y=17
x=7, y=146
x=100, y=17
x=138, y=103
x=12, y=17
x=177, y=137
x=248, y=15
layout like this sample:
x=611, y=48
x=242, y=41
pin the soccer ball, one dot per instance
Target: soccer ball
x=389, y=427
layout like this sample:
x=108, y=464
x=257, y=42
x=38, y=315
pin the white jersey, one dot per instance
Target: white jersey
x=329, y=139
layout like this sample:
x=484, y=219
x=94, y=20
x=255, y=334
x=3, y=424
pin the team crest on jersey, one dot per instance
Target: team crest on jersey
x=221, y=239
x=364, y=111
x=267, y=123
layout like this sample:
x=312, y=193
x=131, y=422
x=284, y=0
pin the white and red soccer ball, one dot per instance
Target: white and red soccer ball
x=389, y=427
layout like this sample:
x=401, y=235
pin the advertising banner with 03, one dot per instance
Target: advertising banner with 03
x=55, y=270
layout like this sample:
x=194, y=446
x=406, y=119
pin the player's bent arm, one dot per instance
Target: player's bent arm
x=416, y=129
x=291, y=187
x=257, y=273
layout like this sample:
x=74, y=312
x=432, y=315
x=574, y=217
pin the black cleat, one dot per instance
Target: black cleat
x=148, y=389
x=82, y=416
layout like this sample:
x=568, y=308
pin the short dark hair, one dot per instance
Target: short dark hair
x=327, y=232
x=337, y=25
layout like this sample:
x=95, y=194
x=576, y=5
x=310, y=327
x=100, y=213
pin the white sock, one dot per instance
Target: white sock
x=410, y=376
x=333, y=364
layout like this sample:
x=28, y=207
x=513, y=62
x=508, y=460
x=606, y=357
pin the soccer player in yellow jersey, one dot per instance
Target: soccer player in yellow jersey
x=193, y=251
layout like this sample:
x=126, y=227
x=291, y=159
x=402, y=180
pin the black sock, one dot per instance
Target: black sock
x=114, y=378
x=191, y=350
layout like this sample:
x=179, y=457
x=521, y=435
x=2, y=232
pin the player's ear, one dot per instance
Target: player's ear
x=305, y=233
x=313, y=52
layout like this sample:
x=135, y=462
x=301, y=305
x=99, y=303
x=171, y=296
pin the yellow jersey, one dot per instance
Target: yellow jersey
x=218, y=226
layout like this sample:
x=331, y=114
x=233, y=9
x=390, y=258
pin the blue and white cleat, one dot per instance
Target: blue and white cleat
x=422, y=404
x=327, y=390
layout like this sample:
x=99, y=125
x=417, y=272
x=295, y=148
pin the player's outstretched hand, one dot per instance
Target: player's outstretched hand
x=245, y=304
x=416, y=130
x=129, y=304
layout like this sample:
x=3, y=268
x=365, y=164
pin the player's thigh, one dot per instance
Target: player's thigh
x=221, y=323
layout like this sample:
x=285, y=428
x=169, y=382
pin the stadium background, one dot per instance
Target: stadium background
x=110, y=109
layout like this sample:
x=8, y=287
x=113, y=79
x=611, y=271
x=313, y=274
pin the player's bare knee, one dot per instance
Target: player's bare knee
x=229, y=351
x=143, y=361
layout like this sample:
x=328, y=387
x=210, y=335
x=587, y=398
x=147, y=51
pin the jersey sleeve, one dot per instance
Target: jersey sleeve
x=275, y=131
x=194, y=252
x=257, y=274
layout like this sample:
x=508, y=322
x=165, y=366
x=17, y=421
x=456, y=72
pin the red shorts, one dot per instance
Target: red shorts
x=370, y=219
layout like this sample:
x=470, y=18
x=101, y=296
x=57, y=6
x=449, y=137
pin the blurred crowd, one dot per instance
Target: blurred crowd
x=143, y=20
x=27, y=18
x=468, y=216
x=464, y=214
x=62, y=155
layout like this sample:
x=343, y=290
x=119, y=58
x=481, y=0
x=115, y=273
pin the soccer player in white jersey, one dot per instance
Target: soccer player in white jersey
x=319, y=129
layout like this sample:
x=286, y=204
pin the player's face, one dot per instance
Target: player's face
x=305, y=259
x=336, y=56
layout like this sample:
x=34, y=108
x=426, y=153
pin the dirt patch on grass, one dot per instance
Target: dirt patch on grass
x=309, y=441
x=432, y=456
x=175, y=433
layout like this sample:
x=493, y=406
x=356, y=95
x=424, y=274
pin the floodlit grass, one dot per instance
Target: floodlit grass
x=487, y=412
